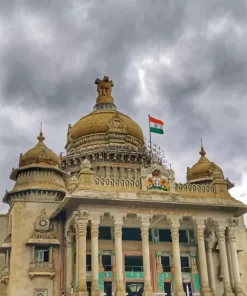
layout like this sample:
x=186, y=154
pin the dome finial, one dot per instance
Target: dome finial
x=104, y=89
x=41, y=138
x=202, y=151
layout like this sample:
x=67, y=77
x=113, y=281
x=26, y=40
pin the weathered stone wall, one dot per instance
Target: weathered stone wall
x=3, y=234
x=24, y=215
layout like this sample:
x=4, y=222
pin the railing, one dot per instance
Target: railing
x=5, y=270
x=116, y=182
x=107, y=267
x=134, y=268
x=41, y=265
x=166, y=268
x=201, y=188
x=185, y=269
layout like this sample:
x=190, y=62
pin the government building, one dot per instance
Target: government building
x=108, y=218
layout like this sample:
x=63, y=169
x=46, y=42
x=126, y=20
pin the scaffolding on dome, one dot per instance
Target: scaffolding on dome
x=151, y=152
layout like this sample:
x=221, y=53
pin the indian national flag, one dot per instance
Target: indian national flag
x=156, y=125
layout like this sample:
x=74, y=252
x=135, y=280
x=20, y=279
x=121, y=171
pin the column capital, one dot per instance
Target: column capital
x=144, y=219
x=118, y=218
x=221, y=224
x=95, y=217
x=233, y=222
x=174, y=221
x=80, y=215
x=199, y=222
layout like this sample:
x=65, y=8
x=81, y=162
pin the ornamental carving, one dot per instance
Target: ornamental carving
x=72, y=184
x=116, y=123
x=158, y=178
x=104, y=89
x=42, y=223
x=233, y=222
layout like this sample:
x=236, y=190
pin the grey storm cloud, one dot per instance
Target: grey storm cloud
x=52, y=52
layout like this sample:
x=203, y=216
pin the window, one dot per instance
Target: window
x=131, y=234
x=105, y=233
x=185, y=263
x=183, y=236
x=89, y=262
x=133, y=263
x=165, y=235
x=41, y=254
x=106, y=262
x=89, y=288
x=165, y=261
x=88, y=232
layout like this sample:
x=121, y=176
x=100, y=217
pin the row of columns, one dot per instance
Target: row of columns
x=206, y=265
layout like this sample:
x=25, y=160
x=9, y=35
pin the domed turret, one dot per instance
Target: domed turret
x=39, y=154
x=38, y=172
x=203, y=170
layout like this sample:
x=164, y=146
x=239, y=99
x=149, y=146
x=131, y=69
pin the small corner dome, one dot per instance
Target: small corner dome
x=203, y=170
x=40, y=154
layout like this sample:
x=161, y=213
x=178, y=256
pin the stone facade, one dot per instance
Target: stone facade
x=109, y=217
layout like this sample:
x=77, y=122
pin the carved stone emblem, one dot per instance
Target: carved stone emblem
x=116, y=123
x=42, y=223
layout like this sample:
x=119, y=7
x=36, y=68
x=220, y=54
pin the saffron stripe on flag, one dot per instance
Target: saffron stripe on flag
x=154, y=120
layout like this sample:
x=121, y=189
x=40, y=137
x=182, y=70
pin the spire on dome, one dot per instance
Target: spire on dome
x=202, y=152
x=41, y=138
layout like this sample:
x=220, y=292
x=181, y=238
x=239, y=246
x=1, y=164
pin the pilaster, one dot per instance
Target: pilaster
x=221, y=230
x=69, y=261
x=118, y=224
x=209, y=250
x=95, y=222
x=145, y=224
x=81, y=222
x=174, y=224
x=200, y=228
x=231, y=235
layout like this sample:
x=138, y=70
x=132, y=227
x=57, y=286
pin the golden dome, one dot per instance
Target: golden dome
x=99, y=122
x=203, y=170
x=39, y=154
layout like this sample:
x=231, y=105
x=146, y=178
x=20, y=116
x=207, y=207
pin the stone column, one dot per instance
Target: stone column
x=118, y=223
x=221, y=229
x=229, y=258
x=95, y=222
x=81, y=221
x=209, y=247
x=69, y=261
x=145, y=224
x=200, y=228
x=233, y=253
x=174, y=224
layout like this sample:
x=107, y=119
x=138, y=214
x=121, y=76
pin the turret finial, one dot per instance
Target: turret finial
x=202, y=151
x=41, y=138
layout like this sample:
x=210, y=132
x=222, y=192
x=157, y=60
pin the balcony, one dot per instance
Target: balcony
x=5, y=275
x=41, y=269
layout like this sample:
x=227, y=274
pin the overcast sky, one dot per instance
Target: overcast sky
x=184, y=62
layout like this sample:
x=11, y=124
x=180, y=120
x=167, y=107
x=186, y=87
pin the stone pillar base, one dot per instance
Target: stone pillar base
x=206, y=293
x=96, y=293
x=148, y=293
x=180, y=293
x=84, y=293
x=240, y=293
x=120, y=293
x=228, y=294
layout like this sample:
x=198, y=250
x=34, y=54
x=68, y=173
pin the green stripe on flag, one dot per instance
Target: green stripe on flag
x=156, y=130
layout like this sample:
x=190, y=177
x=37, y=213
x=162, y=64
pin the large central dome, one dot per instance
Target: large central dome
x=98, y=122
x=105, y=125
